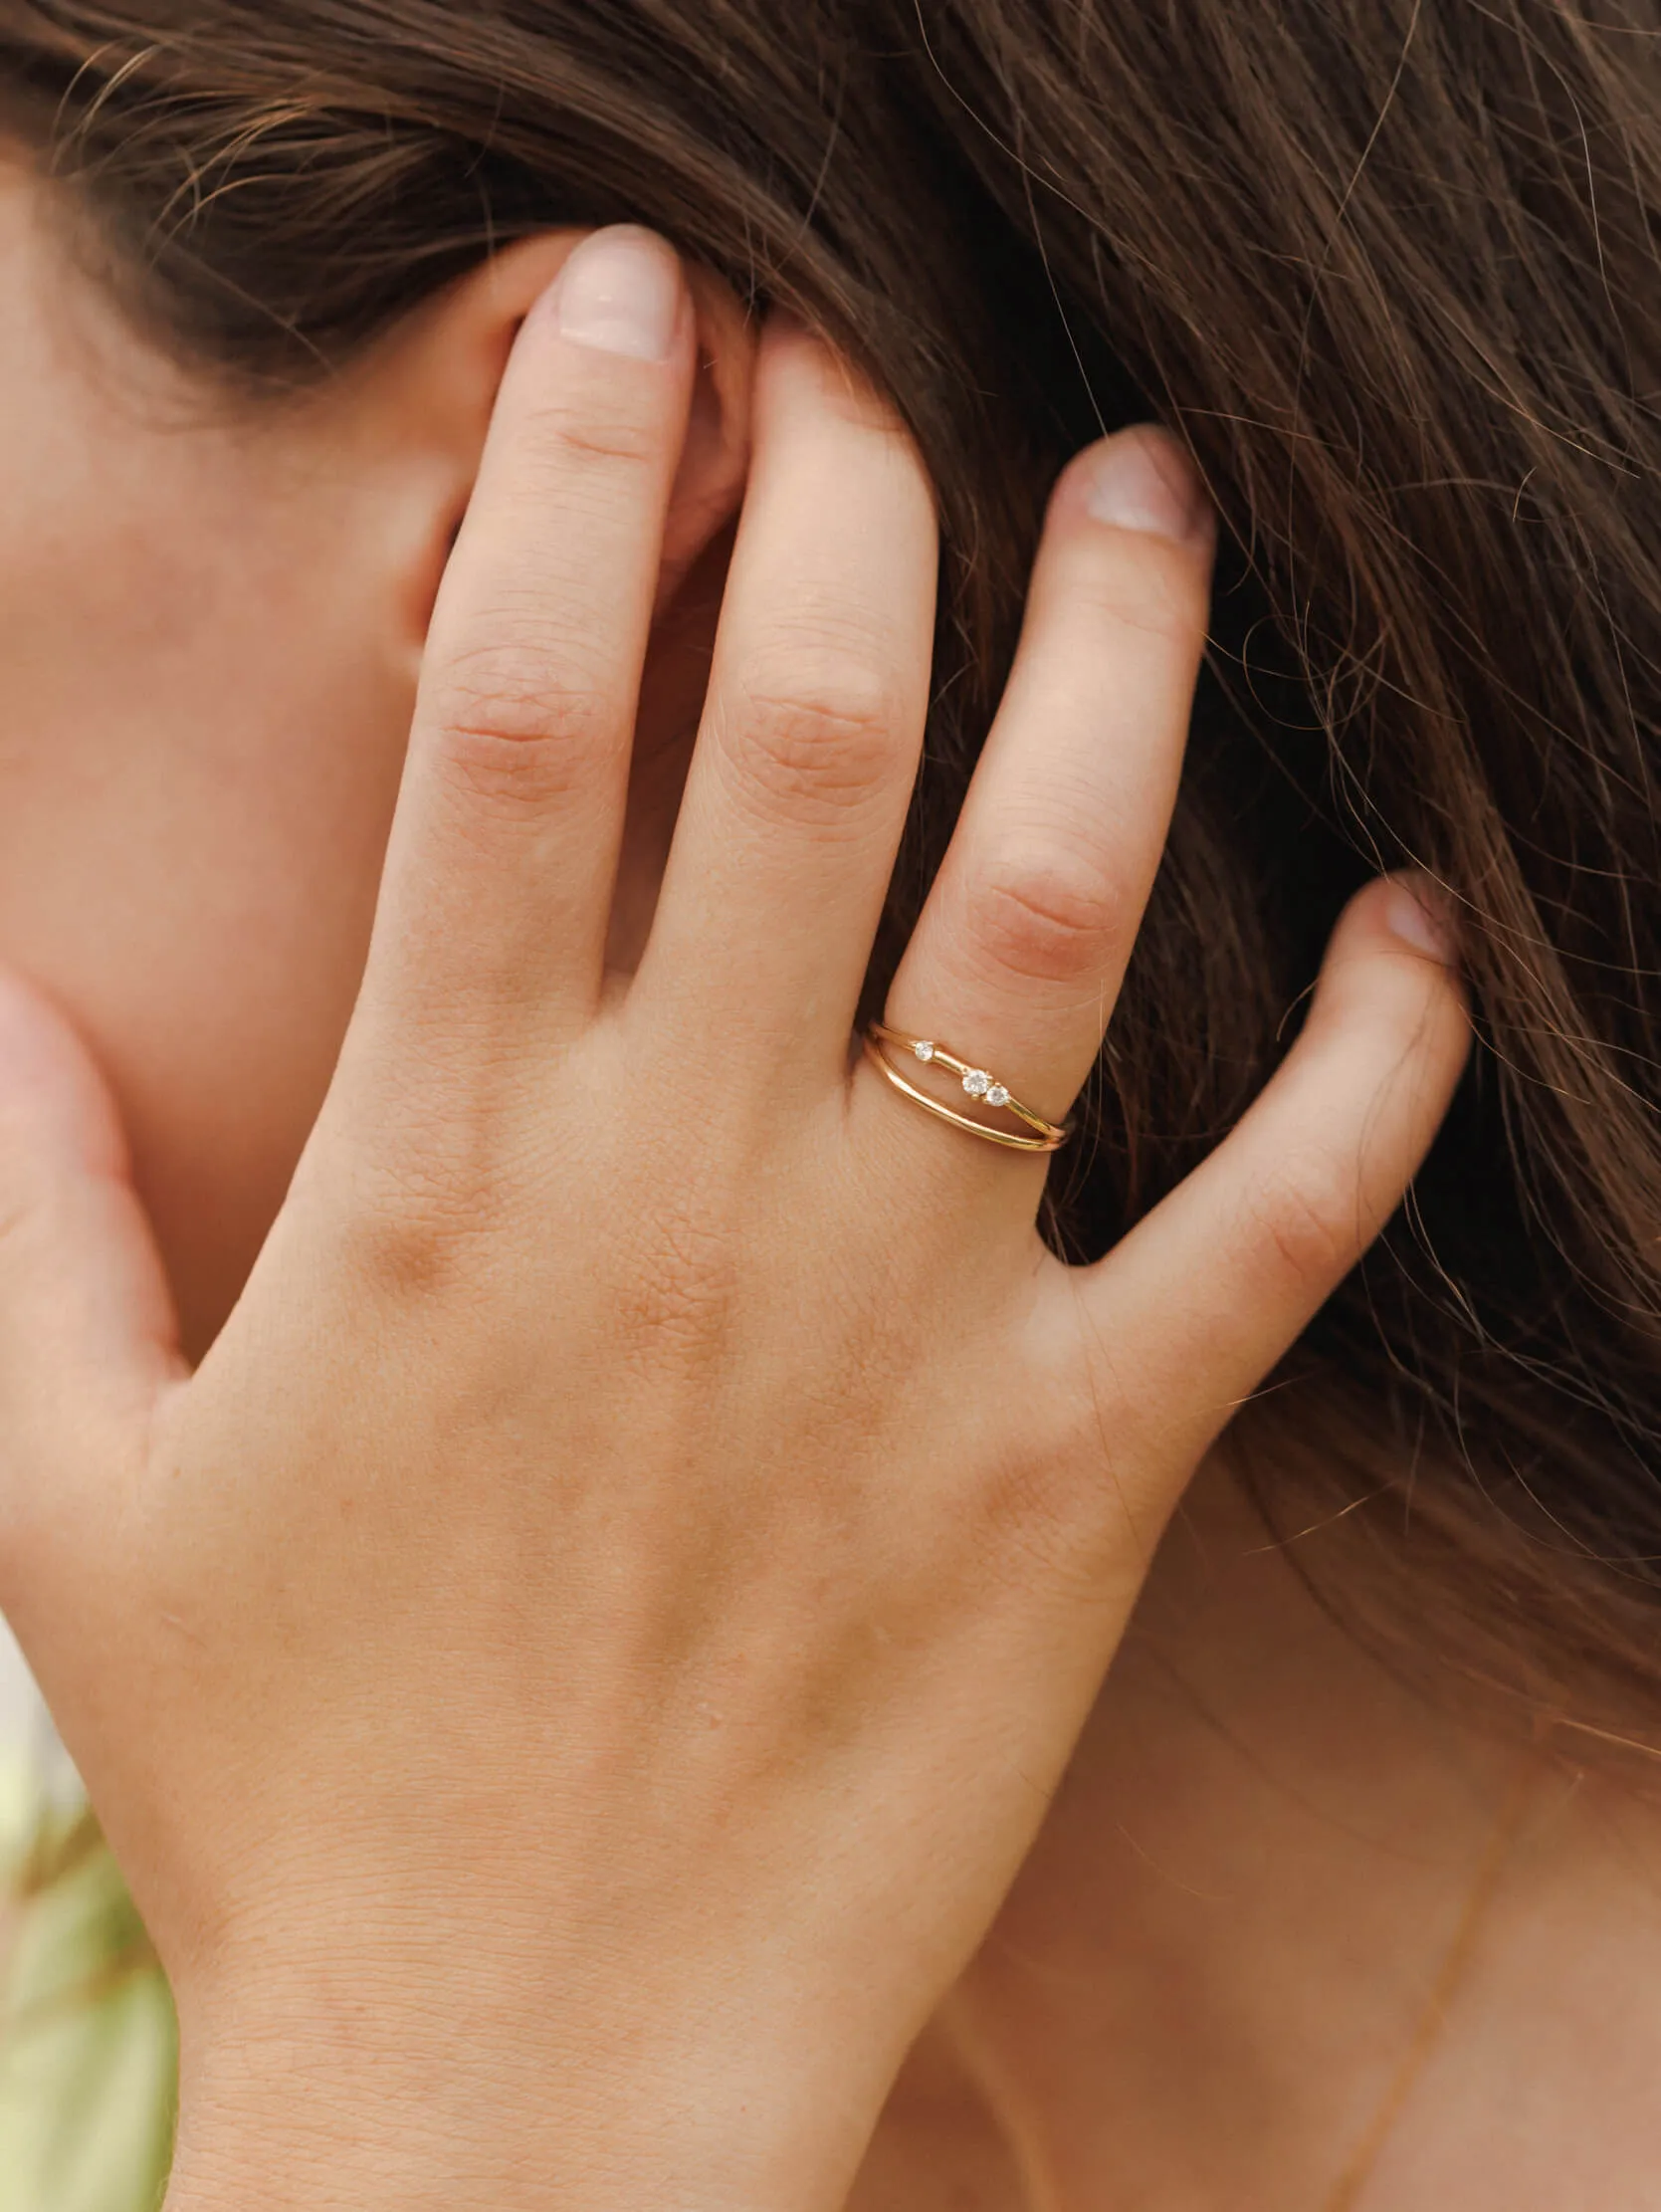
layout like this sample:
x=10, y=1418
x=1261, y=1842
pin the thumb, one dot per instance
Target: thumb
x=87, y=1326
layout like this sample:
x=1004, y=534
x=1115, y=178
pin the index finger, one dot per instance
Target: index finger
x=504, y=851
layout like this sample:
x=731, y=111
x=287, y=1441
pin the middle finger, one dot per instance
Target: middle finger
x=809, y=743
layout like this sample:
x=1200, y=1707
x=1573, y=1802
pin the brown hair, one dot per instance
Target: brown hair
x=1389, y=267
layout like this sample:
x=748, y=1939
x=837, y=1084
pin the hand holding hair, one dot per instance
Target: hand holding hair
x=573, y=1673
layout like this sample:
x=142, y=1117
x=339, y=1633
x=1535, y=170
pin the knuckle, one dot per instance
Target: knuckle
x=519, y=721
x=1304, y=1217
x=412, y=1233
x=408, y=1255
x=1150, y=589
x=1045, y=915
x=428, y=1179
x=815, y=739
x=1062, y=1513
x=569, y=435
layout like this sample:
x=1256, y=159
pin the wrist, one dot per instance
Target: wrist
x=372, y=2102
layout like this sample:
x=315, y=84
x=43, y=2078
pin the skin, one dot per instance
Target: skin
x=541, y=1300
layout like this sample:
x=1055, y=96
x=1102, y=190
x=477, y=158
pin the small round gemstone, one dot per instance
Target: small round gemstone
x=997, y=1096
x=924, y=1049
x=977, y=1082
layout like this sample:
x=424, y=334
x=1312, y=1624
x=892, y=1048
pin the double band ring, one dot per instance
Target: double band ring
x=1046, y=1136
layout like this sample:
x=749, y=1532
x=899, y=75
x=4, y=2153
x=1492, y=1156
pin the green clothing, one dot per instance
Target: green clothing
x=87, y=2047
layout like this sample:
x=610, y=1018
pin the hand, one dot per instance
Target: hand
x=572, y=1674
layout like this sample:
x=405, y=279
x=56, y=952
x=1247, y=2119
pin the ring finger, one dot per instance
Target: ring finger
x=1021, y=948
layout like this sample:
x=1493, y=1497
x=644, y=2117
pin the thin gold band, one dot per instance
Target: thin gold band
x=1048, y=1135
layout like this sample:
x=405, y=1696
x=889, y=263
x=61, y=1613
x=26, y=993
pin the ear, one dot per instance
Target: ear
x=420, y=403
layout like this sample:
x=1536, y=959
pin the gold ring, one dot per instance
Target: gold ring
x=1047, y=1135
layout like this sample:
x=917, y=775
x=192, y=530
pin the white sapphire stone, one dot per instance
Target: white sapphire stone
x=924, y=1049
x=977, y=1082
x=997, y=1096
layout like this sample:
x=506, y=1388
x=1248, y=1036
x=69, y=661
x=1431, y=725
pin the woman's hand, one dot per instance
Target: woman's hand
x=572, y=1674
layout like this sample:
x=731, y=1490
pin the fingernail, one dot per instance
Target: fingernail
x=620, y=292
x=1418, y=912
x=1143, y=481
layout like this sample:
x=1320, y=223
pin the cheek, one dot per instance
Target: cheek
x=197, y=772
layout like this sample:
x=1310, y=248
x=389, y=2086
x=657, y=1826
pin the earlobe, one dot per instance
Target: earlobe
x=431, y=388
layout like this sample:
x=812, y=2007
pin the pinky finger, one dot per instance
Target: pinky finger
x=1202, y=1298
